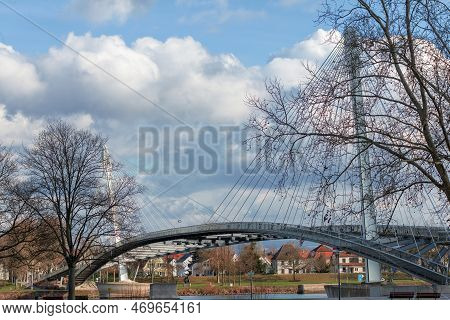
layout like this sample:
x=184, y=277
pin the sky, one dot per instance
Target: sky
x=115, y=66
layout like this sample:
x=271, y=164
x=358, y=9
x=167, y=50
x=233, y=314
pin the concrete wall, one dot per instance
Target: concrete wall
x=163, y=291
x=123, y=290
x=364, y=290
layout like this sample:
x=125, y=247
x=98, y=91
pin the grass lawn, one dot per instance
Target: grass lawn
x=287, y=280
x=9, y=291
x=11, y=287
x=274, y=280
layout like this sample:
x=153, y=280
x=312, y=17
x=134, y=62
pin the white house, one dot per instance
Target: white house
x=182, y=265
x=4, y=273
x=282, y=262
x=351, y=263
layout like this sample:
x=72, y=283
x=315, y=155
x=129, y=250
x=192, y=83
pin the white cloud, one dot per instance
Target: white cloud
x=289, y=71
x=289, y=64
x=99, y=11
x=76, y=85
x=80, y=121
x=18, y=77
x=17, y=128
x=179, y=74
x=315, y=48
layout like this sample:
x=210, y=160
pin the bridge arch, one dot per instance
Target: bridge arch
x=229, y=233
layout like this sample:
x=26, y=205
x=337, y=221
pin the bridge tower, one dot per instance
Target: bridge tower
x=107, y=167
x=368, y=214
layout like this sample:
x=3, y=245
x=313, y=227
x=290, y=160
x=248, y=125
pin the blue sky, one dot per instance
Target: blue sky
x=253, y=30
x=197, y=60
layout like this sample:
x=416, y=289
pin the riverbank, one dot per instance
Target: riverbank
x=245, y=290
x=313, y=283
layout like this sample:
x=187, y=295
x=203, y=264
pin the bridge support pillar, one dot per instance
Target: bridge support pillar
x=107, y=167
x=373, y=271
x=123, y=272
x=368, y=213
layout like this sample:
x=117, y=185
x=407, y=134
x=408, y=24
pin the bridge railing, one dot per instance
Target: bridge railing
x=266, y=227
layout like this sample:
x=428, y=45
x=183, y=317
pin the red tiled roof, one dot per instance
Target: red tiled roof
x=303, y=253
x=176, y=256
x=322, y=248
x=326, y=255
x=282, y=253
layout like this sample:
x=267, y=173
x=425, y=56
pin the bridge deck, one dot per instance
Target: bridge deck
x=192, y=238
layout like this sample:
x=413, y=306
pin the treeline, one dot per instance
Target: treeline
x=227, y=263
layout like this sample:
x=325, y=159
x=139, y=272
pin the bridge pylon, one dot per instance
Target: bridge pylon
x=368, y=213
x=107, y=167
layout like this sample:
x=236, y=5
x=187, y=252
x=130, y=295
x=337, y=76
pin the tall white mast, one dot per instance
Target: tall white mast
x=107, y=167
x=368, y=216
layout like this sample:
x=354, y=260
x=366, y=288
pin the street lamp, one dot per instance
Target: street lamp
x=251, y=274
x=336, y=251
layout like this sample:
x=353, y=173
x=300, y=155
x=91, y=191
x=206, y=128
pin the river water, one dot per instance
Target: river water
x=280, y=296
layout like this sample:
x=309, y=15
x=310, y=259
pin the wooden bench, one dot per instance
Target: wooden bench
x=401, y=295
x=428, y=295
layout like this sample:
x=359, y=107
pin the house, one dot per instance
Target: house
x=266, y=263
x=324, y=252
x=351, y=263
x=283, y=263
x=156, y=267
x=176, y=265
x=348, y=262
x=202, y=268
x=182, y=265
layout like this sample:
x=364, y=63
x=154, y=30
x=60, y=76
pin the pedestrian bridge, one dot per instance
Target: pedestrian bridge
x=417, y=255
x=292, y=199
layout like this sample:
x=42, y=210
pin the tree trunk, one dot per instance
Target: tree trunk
x=293, y=270
x=71, y=283
x=218, y=275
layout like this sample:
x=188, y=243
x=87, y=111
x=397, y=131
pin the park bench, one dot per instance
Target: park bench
x=428, y=295
x=401, y=295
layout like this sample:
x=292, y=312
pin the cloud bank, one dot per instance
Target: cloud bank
x=179, y=74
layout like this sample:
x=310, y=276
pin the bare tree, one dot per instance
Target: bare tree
x=16, y=223
x=35, y=254
x=65, y=188
x=291, y=254
x=220, y=259
x=394, y=63
x=321, y=265
x=169, y=267
x=249, y=258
